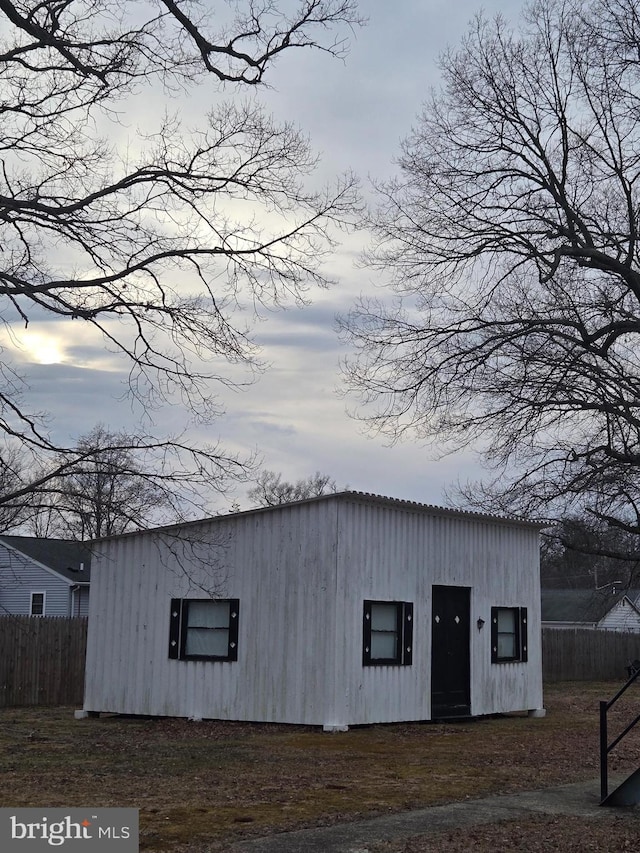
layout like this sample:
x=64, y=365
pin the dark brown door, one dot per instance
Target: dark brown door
x=450, y=676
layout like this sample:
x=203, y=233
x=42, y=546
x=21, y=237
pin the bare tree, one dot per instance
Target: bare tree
x=160, y=244
x=108, y=483
x=106, y=492
x=584, y=553
x=12, y=473
x=512, y=240
x=271, y=489
x=76, y=491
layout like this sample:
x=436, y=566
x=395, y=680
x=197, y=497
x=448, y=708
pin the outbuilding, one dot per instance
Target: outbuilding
x=340, y=610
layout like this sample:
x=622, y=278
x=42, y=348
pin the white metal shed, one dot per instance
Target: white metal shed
x=339, y=610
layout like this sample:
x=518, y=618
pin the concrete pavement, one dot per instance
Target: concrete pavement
x=581, y=799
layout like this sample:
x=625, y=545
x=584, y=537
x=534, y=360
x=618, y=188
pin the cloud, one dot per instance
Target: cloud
x=355, y=113
x=50, y=340
x=78, y=398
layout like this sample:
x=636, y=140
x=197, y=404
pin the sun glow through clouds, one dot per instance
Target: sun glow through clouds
x=41, y=348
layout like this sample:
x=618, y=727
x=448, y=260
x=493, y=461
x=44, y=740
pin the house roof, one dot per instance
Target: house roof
x=64, y=556
x=360, y=497
x=581, y=605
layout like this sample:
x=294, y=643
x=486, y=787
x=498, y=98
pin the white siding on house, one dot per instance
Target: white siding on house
x=20, y=576
x=79, y=600
x=301, y=574
x=623, y=616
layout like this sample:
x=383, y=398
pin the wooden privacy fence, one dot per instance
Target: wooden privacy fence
x=42, y=660
x=586, y=654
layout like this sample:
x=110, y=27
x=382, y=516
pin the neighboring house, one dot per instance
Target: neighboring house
x=340, y=610
x=44, y=577
x=589, y=608
x=624, y=615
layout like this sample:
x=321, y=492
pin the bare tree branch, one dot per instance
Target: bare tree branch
x=167, y=246
x=111, y=483
x=511, y=239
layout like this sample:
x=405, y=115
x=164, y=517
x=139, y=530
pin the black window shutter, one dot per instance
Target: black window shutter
x=234, y=618
x=407, y=651
x=524, y=655
x=174, y=628
x=494, y=635
x=366, y=633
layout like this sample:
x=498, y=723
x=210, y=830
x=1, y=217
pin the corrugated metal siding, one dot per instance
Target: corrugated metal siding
x=301, y=574
x=397, y=554
x=20, y=576
x=283, y=568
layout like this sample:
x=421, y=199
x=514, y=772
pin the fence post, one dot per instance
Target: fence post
x=604, y=752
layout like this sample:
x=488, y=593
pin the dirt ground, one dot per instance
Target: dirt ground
x=537, y=835
x=204, y=785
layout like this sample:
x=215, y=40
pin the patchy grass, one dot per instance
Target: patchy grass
x=539, y=834
x=220, y=782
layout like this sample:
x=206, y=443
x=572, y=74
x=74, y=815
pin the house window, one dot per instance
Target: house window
x=508, y=634
x=204, y=629
x=387, y=633
x=37, y=603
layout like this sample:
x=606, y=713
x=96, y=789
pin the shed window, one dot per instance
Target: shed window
x=37, y=603
x=204, y=629
x=387, y=633
x=508, y=634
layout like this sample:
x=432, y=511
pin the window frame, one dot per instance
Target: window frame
x=179, y=629
x=404, y=633
x=519, y=634
x=43, y=593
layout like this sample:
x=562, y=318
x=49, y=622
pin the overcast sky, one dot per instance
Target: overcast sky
x=356, y=113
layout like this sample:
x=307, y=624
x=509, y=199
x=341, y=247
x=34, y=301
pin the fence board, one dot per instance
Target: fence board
x=42, y=660
x=587, y=654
